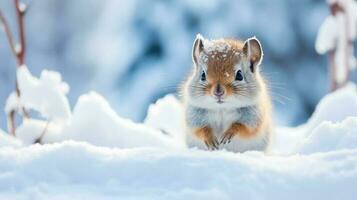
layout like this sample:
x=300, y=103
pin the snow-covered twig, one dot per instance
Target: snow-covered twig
x=19, y=53
x=336, y=36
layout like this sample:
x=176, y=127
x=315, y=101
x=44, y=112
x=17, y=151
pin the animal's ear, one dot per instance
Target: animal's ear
x=197, y=48
x=252, y=49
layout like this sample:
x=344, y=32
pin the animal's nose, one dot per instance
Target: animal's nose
x=219, y=91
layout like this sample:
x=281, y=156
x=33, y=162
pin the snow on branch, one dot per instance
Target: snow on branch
x=46, y=95
x=18, y=50
x=336, y=36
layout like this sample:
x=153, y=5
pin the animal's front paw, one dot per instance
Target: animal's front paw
x=227, y=137
x=211, y=143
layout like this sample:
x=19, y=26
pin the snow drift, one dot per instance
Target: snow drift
x=76, y=170
x=96, y=154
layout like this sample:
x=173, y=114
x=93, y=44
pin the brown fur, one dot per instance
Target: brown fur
x=206, y=134
x=220, y=68
x=242, y=130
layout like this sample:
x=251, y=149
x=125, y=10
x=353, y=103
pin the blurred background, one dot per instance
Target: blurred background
x=134, y=52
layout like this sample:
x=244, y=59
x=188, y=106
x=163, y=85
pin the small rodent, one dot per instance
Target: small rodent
x=226, y=100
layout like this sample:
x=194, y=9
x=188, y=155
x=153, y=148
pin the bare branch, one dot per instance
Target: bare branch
x=20, y=9
x=19, y=54
x=11, y=122
x=20, y=12
x=332, y=67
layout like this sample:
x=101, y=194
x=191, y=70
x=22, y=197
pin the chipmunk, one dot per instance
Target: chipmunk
x=226, y=100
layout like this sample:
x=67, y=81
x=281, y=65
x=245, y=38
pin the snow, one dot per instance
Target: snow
x=326, y=38
x=167, y=115
x=79, y=170
x=97, y=154
x=336, y=106
x=332, y=36
x=217, y=45
x=350, y=7
x=46, y=95
x=329, y=136
x=31, y=129
x=331, y=112
x=335, y=33
x=94, y=121
x=12, y=103
x=8, y=141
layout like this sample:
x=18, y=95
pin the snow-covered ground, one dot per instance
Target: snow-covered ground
x=90, y=152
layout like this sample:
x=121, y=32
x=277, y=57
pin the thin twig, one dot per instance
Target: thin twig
x=12, y=44
x=332, y=67
x=19, y=54
x=11, y=122
x=334, y=9
x=20, y=12
x=8, y=34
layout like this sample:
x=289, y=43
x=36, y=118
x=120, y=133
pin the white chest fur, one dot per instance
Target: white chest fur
x=220, y=120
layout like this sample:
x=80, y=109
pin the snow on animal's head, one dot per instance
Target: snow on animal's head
x=225, y=72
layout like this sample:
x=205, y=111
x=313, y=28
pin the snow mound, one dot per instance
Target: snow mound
x=167, y=115
x=94, y=121
x=83, y=171
x=8, y=141
x=329, y=136
x=333, y=123
x=46, y=95
x=332, y=112
x=31, y=130
x=336, y=106
x=96, y=154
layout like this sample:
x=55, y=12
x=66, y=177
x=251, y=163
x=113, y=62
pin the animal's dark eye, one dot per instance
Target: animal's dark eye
x=203, y=76
x=239, y=75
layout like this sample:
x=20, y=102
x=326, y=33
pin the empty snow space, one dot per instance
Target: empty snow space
x=89, y=152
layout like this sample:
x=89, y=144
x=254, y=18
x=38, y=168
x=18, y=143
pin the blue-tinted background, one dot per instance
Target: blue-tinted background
x=134, y=52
